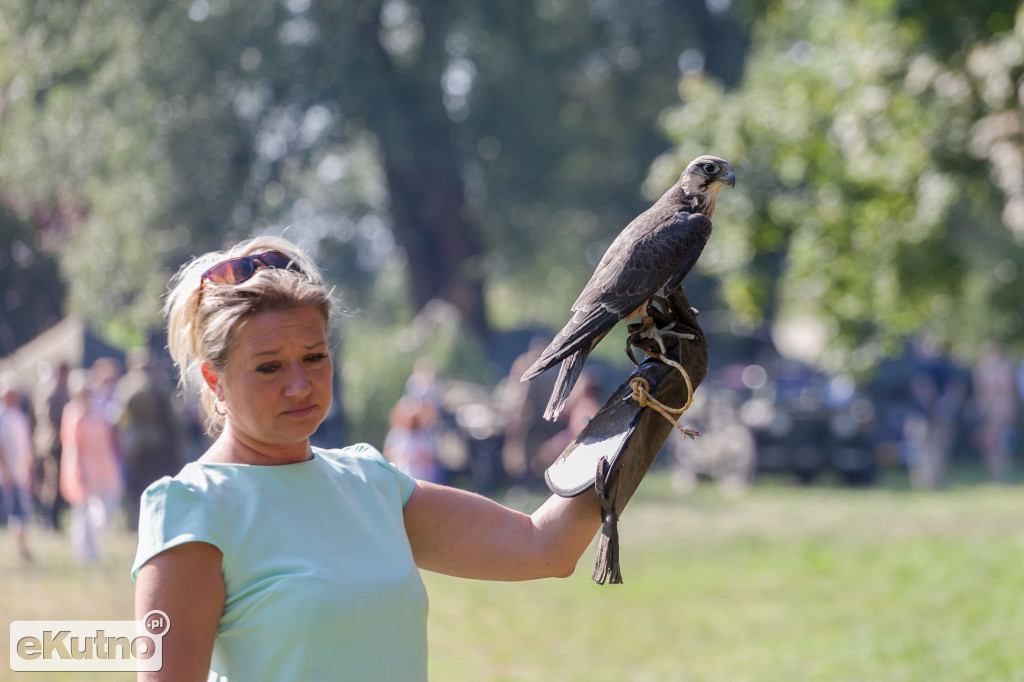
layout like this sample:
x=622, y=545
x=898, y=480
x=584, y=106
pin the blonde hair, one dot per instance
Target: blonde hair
x=201, y=329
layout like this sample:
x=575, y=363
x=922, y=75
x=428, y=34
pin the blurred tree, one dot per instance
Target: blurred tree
x=491, y=144
x=79, y=167
x=482, y=154
x=31, y=286
x=950, y=27
x=465, y=142
x=861, y=149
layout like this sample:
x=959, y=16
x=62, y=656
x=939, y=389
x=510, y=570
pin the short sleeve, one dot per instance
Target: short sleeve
x=406, y=483
x=173, y=513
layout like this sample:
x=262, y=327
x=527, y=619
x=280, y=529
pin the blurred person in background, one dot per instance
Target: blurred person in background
x=16, y=461
x=938, y=389
x=422, y=383
x=90, y=474
x=103, y=377
x=995, y=404
x=583, y=403
x=411, y=443
x=149, y=433
x=48, y=402
x=522, y=404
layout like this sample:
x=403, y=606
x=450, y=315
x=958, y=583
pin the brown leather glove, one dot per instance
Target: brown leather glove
x=615, y=449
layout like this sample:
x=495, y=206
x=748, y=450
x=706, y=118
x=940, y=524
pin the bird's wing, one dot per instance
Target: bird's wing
x=634, y=268
x=637, y=265
x=687, y=248
x=586, y=327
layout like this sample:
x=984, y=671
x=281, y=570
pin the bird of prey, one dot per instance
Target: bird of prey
x=653, y=253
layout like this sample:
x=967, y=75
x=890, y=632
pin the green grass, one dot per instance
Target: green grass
x=57, y=587
x=785, y=583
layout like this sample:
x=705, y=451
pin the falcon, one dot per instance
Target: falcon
x=653, y=253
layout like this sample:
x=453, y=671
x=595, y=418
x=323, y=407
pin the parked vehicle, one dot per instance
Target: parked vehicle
x=807, y=424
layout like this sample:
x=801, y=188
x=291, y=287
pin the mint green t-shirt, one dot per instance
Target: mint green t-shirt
x=320, y=579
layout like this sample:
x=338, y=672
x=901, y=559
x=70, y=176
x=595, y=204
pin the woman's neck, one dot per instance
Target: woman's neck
x=232, y=448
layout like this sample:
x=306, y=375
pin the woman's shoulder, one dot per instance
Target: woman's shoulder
x=359, y=454
x=361, y=458
x=191, y=479
x=366, y=463
x=73, y=410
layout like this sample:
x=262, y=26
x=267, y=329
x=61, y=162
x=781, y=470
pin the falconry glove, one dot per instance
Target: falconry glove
x=615, y=449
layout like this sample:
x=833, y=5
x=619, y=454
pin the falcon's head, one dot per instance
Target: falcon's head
x=706, y=175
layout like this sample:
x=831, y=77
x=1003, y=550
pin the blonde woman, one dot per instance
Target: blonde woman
x=275, y=560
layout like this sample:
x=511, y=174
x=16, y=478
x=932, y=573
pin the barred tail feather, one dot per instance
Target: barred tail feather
x=568, y=373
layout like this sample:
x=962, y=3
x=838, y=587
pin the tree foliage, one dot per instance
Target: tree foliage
x=465, y=144
x=486, y=153
x=879, y=178
x=79, y=167
x=31, y=285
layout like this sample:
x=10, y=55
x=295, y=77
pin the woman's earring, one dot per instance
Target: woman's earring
x=218, y=411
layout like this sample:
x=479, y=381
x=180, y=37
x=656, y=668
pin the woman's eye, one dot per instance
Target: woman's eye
x=317, y=357
x=266, y=369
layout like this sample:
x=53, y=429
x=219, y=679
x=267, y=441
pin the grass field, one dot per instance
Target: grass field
x=785, y=583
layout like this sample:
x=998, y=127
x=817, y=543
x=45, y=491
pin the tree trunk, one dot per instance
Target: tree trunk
x=442, y=245
x=428, y=199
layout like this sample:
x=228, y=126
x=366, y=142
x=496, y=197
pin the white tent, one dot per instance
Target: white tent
x=70, y=341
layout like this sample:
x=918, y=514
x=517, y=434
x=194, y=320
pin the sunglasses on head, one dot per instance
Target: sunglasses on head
x=238, y=270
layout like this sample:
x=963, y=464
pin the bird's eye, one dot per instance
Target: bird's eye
x=710, y=168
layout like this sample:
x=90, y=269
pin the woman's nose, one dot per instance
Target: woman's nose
x=298, y=383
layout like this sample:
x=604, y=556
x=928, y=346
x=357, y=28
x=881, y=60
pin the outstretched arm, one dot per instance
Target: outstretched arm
x=469, y=536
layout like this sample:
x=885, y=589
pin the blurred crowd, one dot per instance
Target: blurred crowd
x=922, y=413
x=82, y=444
x=89, y=441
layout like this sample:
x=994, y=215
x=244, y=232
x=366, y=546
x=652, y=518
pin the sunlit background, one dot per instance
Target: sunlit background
x=458, y=169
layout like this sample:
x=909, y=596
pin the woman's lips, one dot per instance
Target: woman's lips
x=301, y=412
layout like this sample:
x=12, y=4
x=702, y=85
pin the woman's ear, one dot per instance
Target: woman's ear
x=212, y=380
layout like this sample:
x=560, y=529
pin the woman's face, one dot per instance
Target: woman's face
x=276, y=386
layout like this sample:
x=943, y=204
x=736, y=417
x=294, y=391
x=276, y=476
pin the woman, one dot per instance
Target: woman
x=16, y=459
x=90, y=472
x=275, y=560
